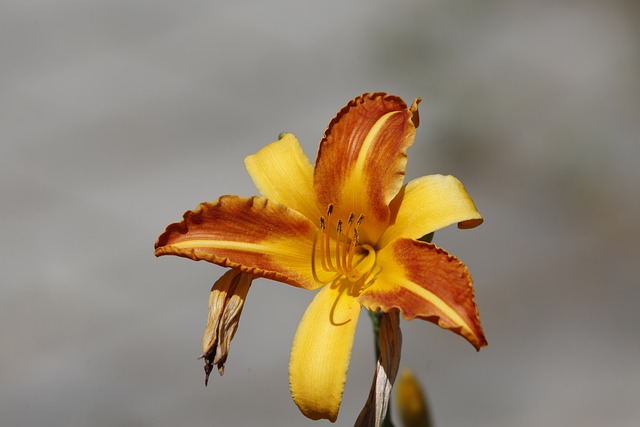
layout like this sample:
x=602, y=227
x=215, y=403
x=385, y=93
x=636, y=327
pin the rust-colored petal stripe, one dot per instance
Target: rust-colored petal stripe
x=362, y=158
x=253, y=235
x=424, y=281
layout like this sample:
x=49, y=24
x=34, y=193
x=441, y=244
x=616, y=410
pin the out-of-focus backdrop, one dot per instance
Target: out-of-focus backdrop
x=117, y=116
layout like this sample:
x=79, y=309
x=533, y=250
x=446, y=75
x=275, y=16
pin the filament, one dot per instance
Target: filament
x=340, y=262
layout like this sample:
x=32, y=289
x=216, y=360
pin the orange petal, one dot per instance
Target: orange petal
x=253, y=235
x=428, y=204
x=424, y=281
x=361, y=161
x=321, y=352
x=283, y=173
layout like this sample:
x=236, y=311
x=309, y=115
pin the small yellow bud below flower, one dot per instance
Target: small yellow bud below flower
x=411, y=403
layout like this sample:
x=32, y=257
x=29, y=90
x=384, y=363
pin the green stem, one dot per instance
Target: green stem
x=427, y=238
x=375, y=320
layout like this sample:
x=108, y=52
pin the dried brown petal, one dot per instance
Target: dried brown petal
x=375, y=409
x=226, y=301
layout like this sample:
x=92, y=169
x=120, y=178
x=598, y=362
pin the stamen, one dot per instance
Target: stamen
x=323, y=256
x=340, y=262
x=327, y=239
x=352, y=248
x=313, y=254
x=348, y=245
x=338, y=241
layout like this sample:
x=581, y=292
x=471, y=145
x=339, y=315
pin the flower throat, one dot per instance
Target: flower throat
x=342, y=254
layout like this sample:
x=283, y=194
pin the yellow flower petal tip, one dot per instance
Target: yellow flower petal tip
x=321, y=352
x=347, y=225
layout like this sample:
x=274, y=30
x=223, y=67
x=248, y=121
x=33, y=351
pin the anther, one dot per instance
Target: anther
x=360, y=219
x=330, y=209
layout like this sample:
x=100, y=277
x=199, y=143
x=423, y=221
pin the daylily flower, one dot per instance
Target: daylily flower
x=347, y=226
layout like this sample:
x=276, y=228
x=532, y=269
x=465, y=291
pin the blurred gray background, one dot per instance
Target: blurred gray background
x=117, y=116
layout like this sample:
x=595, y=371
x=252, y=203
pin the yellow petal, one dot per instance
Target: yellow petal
x=427, y=204
x=424, y=281
x=283, y=173
x=253, y=235
x=321, y=351
x=361, y=160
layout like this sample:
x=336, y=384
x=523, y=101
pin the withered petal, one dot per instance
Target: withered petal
x=226, y=301
x=390, y=339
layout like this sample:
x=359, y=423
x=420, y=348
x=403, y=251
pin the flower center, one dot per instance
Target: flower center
x=338, y=251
